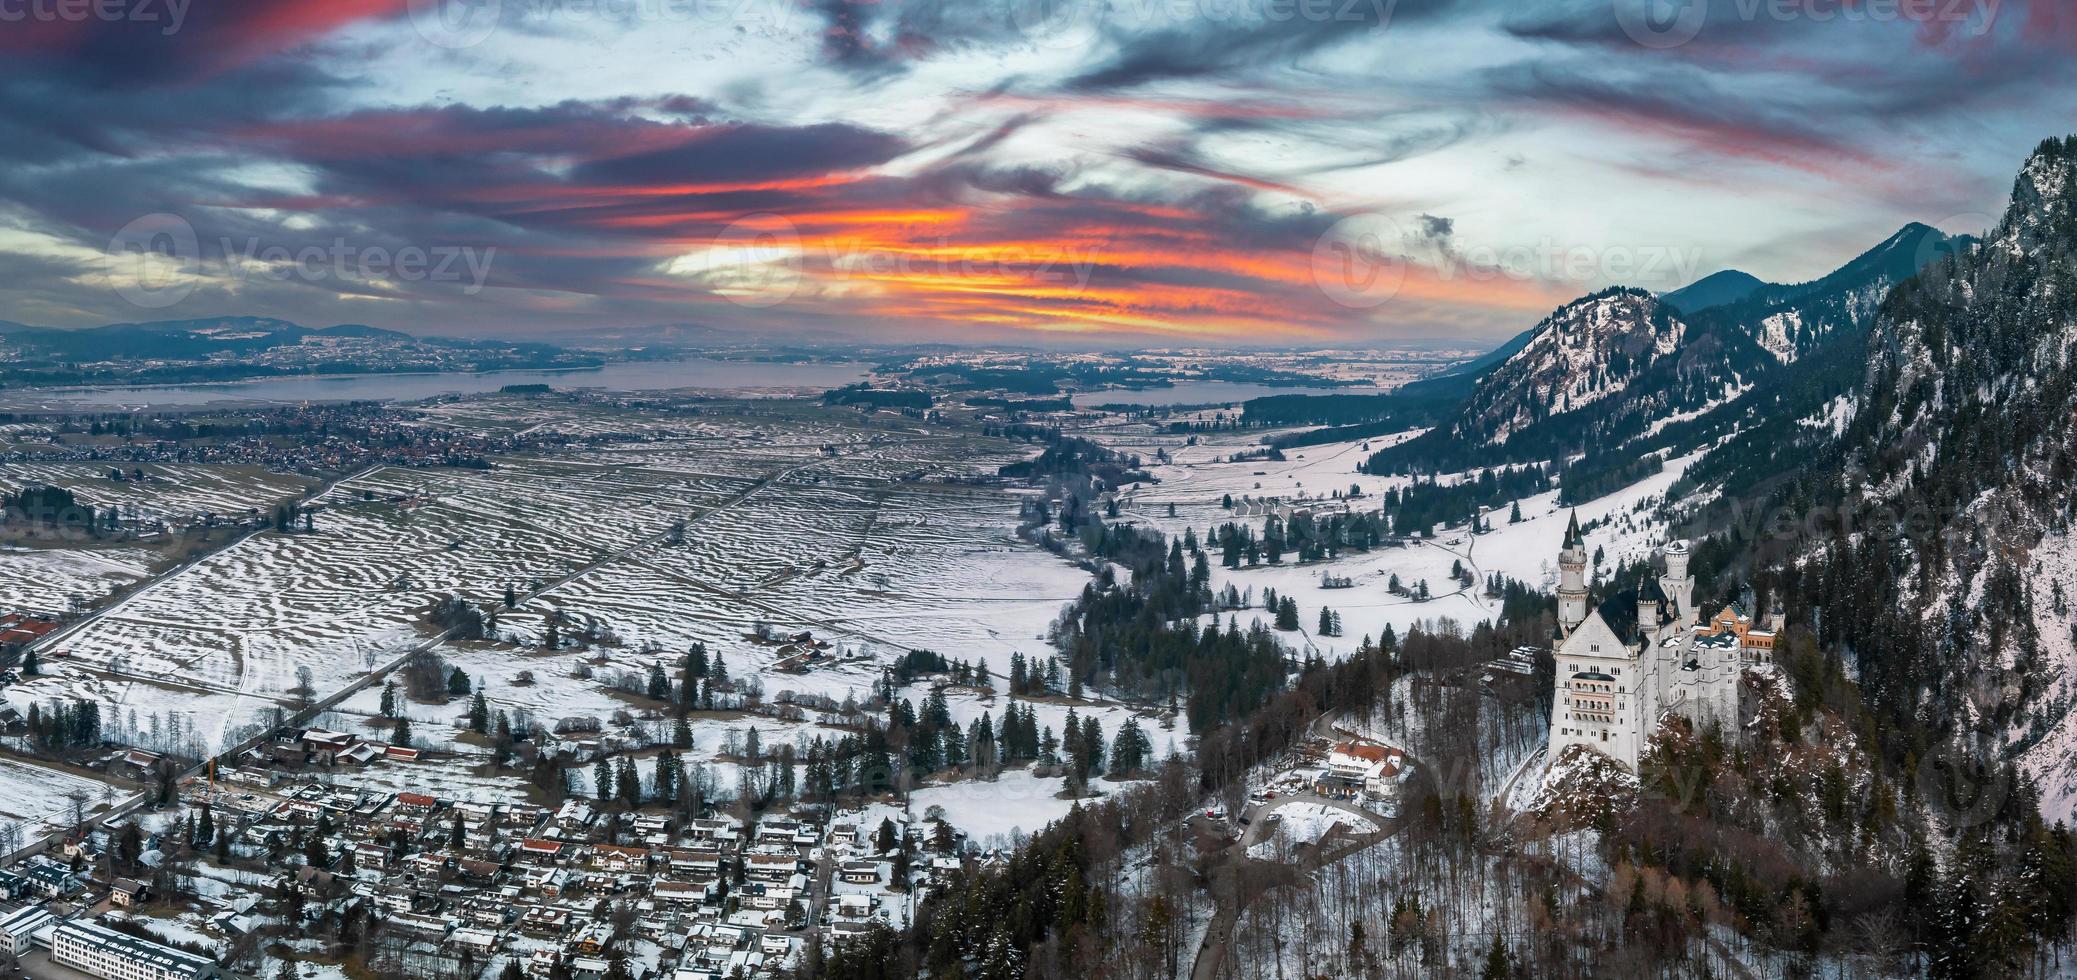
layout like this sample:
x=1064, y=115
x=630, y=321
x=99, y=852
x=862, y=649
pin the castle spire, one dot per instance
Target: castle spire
x=1572, y=535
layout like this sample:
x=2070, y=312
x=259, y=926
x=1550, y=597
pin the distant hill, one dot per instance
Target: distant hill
x=180, y=340
x=1728, y=286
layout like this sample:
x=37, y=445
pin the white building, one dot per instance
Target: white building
x=95, y=949
x=1643, y=654
x=21, y=924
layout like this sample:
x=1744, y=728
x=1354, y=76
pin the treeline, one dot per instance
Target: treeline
x=864, y=395
x=55, y=507
x=1311, y=537
x=1074, y=455
x=1415, y=509
x=1142, y=640
x=59, y=726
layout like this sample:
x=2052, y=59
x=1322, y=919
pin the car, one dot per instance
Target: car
x=1244, y=821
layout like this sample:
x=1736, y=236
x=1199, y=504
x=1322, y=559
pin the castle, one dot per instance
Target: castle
x=1644, y=653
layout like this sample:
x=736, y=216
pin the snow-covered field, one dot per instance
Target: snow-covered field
x=834, y=527
x=50, y=580
x=174, y=493
x=39, y=801
x=1197, y=479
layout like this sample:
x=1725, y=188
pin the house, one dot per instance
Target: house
x=652, y=823
x=359, y=754
x=854, y=906
x=861, y=872
x=51, y=880
x=1359, y=766
x=766, y=897
x=478, y=872
x=479, y=942
x=416, y=805
x=594, y=940
x=575, y=815
x=610, y=857
x=323, y=746
x=679, y=892
x=370, y=856
x=843, y=833
x=424, y=925
x=547, y=920
x=717, y=830
x=13, y=886
x=540, y=850
x=771, y=867
x=312, y=882
x=128, y=893
x=548, y=880
x=843, y=931
x=399, y=753
x=687, y=861
x=140, y=761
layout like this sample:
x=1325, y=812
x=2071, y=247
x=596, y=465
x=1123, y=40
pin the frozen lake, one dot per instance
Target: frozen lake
x=747, y=377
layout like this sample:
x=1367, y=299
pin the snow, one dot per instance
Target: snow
x=1619, y=524
x=1016, y=802
x=1301, y=823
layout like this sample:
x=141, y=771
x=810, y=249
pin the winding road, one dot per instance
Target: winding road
x=1238, y=880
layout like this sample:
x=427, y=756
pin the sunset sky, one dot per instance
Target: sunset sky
x=1031, y=171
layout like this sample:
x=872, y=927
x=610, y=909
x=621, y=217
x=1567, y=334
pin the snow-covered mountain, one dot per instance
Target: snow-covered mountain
x=1622, y=373
x=1591, y=349
x=1970, y=414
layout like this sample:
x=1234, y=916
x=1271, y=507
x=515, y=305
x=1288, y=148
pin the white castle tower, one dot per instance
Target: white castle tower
x=1618, y=676
x=1572, y=579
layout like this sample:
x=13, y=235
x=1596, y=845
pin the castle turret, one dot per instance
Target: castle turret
x=1572, y=578
x=1679, y=586
x=1651, y=610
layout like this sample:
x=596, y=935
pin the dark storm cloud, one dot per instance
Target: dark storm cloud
x=1224, y=40
x=748, y=152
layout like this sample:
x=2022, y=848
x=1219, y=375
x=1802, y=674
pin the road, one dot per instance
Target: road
x=48, y=639
x=1238, y=880
x=315, y=708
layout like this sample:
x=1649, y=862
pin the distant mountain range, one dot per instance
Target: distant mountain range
x=1611, y=376
x=177, y=339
